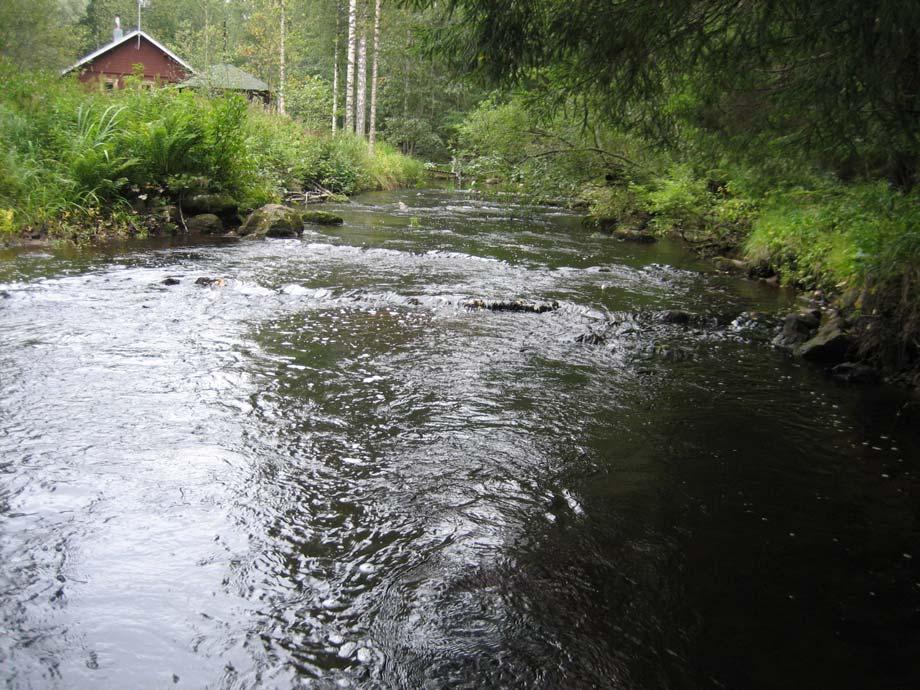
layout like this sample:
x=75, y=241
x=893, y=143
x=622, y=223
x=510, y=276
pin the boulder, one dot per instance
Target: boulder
x=323, y=218
x=830, y=345
x=797, y=328
x=219, y=204
x=628, y=235
x=273, y=220
x=732, y=265
x=171, y=281
x=676, y=316
x=205, y=224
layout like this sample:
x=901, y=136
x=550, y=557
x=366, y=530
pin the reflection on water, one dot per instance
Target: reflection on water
x=329, y=473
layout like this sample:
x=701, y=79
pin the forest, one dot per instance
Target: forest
x=781, y=132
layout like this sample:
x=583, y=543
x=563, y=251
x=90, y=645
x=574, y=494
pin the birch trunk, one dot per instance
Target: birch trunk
x=361, y=105
x=335, y=74
x=350, y=70
x=372, y=136
x=281, y=59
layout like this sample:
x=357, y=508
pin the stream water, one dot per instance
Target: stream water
x=329, y=472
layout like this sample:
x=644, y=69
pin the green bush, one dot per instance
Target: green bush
x=838, y=235
x=309, y=100
x=65, y=150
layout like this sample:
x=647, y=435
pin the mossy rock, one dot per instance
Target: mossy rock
x=205, y=224
x=630, y=235
x=322, y=218
x=219, y=204
x=273, y=220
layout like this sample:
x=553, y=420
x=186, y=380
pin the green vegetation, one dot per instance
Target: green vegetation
x=73, y=159
x=814, y=229
x=786, y=133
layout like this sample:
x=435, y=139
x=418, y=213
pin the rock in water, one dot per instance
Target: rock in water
x=210, y=282
x=797, y=328
x=676, y=316
x=515, y=306
x=830, y=345
x=322, y=218
x=638, y=236
x=171, y=281
x=273, y=220
x=206, y=224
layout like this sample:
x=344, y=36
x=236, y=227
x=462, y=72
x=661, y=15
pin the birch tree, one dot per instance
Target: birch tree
x=361, y=99
x=335, y=74
x=350, y=70
x=372, y=136
x=281, y=57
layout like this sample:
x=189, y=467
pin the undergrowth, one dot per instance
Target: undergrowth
x=72, y=157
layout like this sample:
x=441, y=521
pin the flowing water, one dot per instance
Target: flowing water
x=329, y=472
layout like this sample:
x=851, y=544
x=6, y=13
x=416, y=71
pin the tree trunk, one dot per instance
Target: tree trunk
x=281, y=59
x=361, y=105
x=372, y=137
x=350, y=71
x=335, y=74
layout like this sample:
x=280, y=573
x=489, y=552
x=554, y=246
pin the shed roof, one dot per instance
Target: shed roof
x=124, y=39
x=228, y=77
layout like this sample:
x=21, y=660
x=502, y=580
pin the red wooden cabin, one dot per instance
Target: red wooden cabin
x=111, y=63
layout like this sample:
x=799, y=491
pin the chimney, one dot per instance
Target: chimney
x=117, y=34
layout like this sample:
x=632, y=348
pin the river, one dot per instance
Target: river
x=328, y=471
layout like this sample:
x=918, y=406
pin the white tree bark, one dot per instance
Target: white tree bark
x=335, y=74
x=282, y=60
x=372, y=136
x=350, y=70
x=361, y=105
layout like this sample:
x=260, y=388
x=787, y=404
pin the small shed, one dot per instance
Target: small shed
x=223, y=78
x=110, y=64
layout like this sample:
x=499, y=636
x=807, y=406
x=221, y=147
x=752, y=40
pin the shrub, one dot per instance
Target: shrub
x=65, y=150
x=309, y=100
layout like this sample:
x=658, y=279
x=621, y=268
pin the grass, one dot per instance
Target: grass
x=71, y=156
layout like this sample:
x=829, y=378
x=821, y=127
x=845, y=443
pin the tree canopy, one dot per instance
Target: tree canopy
x=839, y=79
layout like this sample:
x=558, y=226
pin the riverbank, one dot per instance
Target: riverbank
x=78, y=165
x=852, y=251
x=844, y=228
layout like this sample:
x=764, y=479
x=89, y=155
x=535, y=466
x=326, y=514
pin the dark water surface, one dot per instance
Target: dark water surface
x=329, y=473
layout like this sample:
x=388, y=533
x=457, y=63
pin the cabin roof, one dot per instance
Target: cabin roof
x=227, y=77
x=124, y=39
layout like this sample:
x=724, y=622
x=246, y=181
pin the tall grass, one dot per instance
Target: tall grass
x=67, y=151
